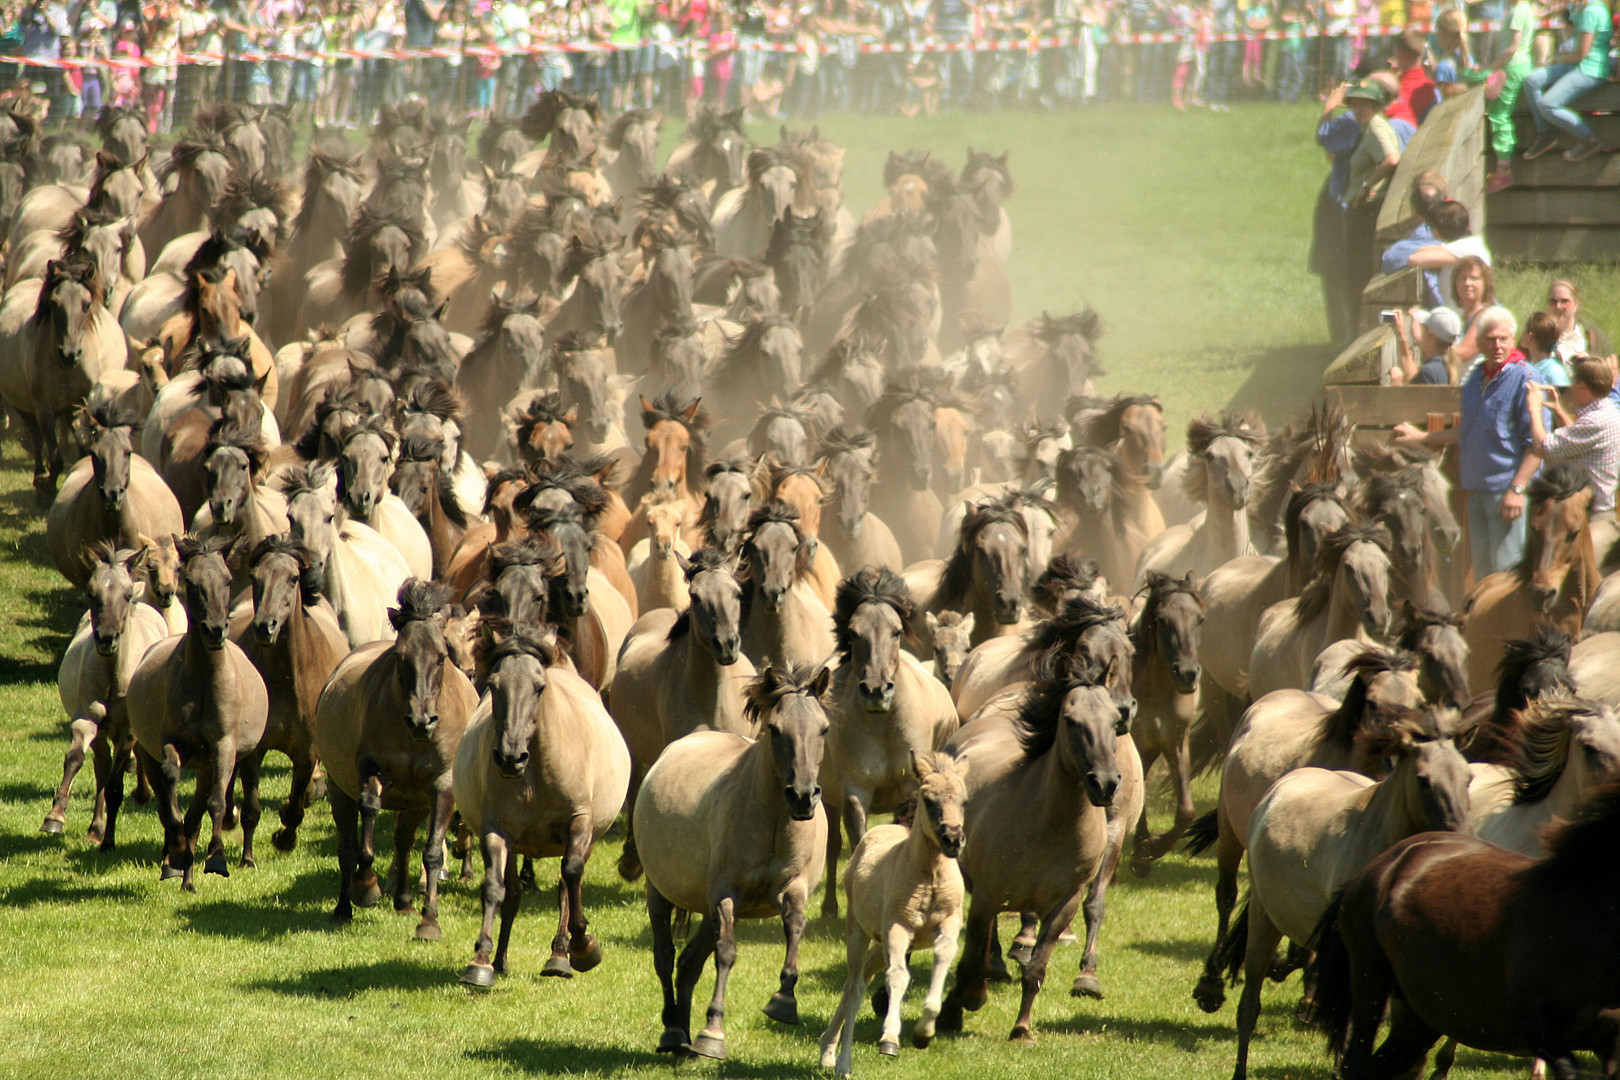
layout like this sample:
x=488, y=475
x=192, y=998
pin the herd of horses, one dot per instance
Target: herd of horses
x=518, y=483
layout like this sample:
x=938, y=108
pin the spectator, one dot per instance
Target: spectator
x=1291, y=55
x=953, y=22
x=126, y=77
x=158, y=78
x=1449, y=50
x=43, y=27
x=1473, y=292
x=1575, y=334
x=1437, y=332
x=1416, y=93
x=1513, y=61
x=1336, y=15
x=1590, y=438
x=1428, y=191
x=1372, y=161
x=1581, y=69
x=1403, y=128
x=1450, y=224
x=1337, y=133
x=1496, y=455
x=1256, y=21
x=1540, y=346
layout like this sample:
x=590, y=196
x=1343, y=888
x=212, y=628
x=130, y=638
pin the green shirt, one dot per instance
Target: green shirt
x=626, y=21
x=1594, y=20
x=1522, y=20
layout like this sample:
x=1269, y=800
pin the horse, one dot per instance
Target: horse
x=93, y=681
x=1396, y=501
x=676, y=452
x=1133, y=427
x=117, y=186
x=987, y=178
x=783, y=620
x=797, y=256
x=1316, y=828
x=198, y=169
x=593, y=307
x=1069, y=360
x=428, y=492
x=292, y=637
x=855, y=536
x=592, y=392
x=986, y=575
x=712, y=155
x=1165, y=634
x=255, y=209
x=950, y=635
x=733, y=828
x=1532, y=666
x=237, y=130
x=1556, y=581
x=778, y=178
x=884, y=707
x=240, y=502
x=903, y=422
x=335, y=290
x=1044, y=767
x=1220, y=453
x=508, y=359
x=466, y=272
x=389, y=724
x=196, y=701
x=110, y=241
x=1280, y=732
x=56, y=339
x=802, y=488
x=761, y=363
x=652, y=563
x=541, y=772
x=110, y=494
x=359, y=571
x=905, y=892
x=1348, y=597
x=365, y=462
x=631, y=142
x=1091, y=498
x=569, y=121
x=1312, y=449
x=853, y=373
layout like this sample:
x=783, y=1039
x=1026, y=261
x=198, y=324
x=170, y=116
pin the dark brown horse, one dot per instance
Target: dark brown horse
x=1494, y=949
x=1166, y=634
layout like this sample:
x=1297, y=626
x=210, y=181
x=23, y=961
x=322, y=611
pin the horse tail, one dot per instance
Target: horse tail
x=630, y=861
x=1202, y=834
x=1331, y=1001
x=1234, y=946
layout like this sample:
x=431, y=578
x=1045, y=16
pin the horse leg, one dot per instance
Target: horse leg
x=218, y=789
x=44, y=489
x=629, y=858
x=1052, y=926
x=481, y=972
x=509, y=909
x=461, y=847
x=369, y=891
x=83, y=732
x=1179, y=762
x=1024, y=941
x=433, y=863
x=1210, y=993
x=659, y=913
x=711, y=1041
x=972, y=987
x=1408, y=1043
x=996, y=963
x=252, y=809
x=835, y=849
x=944, y=952
x=111, y=761
x=1087, y=984
x=166, y=785
x=346, y=821
x=1444, y=1058
x=1263, y=940
x=574, y=948
x=406, y=824
x=201, y=800
x=143, y=785
x=783, y=1006
x=1142, y=843
x=838, y=1041
x=897, y=977
x=292, y=811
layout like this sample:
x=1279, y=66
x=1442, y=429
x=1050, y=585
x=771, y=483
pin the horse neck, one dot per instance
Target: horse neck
x=199, y=658
x=703, y=680
x=1225, y=530
x=664, y=578
x=759, y=766
x=1580, y=582
x=1341, y=620
x=1391, y=811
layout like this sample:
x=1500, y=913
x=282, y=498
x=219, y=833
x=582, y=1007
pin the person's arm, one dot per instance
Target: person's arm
x=1408, y=368
x=1407, y=435
x=1583, y=45
x=1535, y=399
x=1433, y=257
x=1501, y=59
x=1376, y=177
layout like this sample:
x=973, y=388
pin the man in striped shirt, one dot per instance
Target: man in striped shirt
x=1590, y=438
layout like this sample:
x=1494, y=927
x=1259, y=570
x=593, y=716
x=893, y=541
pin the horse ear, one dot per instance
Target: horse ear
x=571, y=416
x=921, y=765
x=646, y=406
x=689, y=414
x=818, y=685
x=931, y=621
x=684, y=563
x=135, y=561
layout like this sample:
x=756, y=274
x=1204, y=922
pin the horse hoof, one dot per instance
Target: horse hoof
x=1086, y=986
x=481, y=976
x=92, y=835
x=783, y=1008
x=921, y=1041
x=1020, y=1034
x=1021, y=954
x=889, y=1048
x=141, y=797
x=366, y=894
x=996, y=970
x=168, y=873
x=51, y=826
x=1141, y=866
x=249, y=864
x=1210, y=994
x=710, y=1046
x=674, y=1041
x=558, y=968
x=974, y=997
x=230, y=820
x=428, y=931
x=215, y=864
x=187, y=885
x=950, y=1016
x=342, y=915
x=107, y=844
x=284, y=839
x=526, y=876
x=588, y=957
x=880, y=1000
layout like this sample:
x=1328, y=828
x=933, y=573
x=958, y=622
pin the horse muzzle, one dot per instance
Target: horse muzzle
x=1102, y=786
x=511, y=767
x=599, y=430
x=1008, y=611
x=213, y=637
x=1185, y=680
x=773, y=598
x=107, y=645
x=1544, y=597
x=113, y=500
x=1154, y=477
x=879, y=700
x=224, y=511
x=802, y=804
x=265, y=633
x=950, y=840
x=726, y=652
x=422, y=729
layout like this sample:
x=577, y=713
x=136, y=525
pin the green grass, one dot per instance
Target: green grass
x=1188, y=233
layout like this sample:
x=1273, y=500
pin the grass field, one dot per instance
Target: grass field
x=1188, y=233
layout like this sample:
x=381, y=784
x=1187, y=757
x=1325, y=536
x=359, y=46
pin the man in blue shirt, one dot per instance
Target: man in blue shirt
x=1428, y=192
x=1495, y=445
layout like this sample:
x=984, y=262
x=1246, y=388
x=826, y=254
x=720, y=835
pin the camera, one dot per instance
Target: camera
x=1387, y=316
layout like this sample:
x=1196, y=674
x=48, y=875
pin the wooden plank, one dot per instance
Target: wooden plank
x=1566, y=206
x=1386, y=406
x=1552, y=171
x=1605, y=127
x=1449, y=124
x=1367, y=359
x=1551, y=243
x=1403, y=287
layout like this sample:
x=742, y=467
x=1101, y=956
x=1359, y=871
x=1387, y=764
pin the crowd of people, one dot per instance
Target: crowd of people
x=774, y=57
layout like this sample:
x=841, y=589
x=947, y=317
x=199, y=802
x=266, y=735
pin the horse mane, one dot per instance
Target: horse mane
x=576, y=479
x=75, y=266
x=703, y=560
x=321, y=165
x=979, y=159
x=310, y=585
x=768, y=413
x=918, y=163
x=357, y=272
x=1087, y=323
x=896, y=394
x=613, y=137
x=108, y=118
x=243, y=194
x=1159, y=588
x=668, y=407
x=1545, y=642
x=109, y=413
x=72, y=235
x=372, y=424
x=1340, y=728
x=1315, y=597
x=191, y=546
x=1103, y=428
x=420, y=446
x=837, y=357
x=958, y=573
x=538, y=122
x=230, y=431
x=766, y=690
x=489, y=139
x=502, y=640
x=1119, y=473
x=763, y=159
x=1586, y=842
x=1317, y=436
x=311, y=479
x=545, y=407
x=435, y=398
x=708, y=122
x=741, y=349
x=584, y=248
x=1297, y=503
x=336, y=399
x=1202, y=431
x=844, y=440
x=500, y=480
x=474, y=239
x=1538, y=744
x=1053, y=637
x=1559, y=480
x=1378, y=489
x=1064, y=574
x=538, y=549
x=185, y=153
x=1415, y=619
x=868, y=585
x=503, y=307
x=210, y=253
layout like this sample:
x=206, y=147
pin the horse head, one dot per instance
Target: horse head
x=786, y=706
x=1172, y=622
x=716, y=602
x=777, y=551
x=1559, y=537
x=206, y=572
x=941, y=794
x=517, y=668
x=582, y=376
x=951, y=635
x=850, y=465
x=111, y=588
x=365, y=463
x=283, y=581
x=726, y=503
x=110, y=444
x=872, y=610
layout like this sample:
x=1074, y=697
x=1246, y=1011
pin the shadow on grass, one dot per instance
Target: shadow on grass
x=29, y=843
x=540, y=1057
x=1170, y=872
x=1190, y=951
x=355, y=979
x=248, y=920
x=59, y=891
x=1282, y=380
x=40, y=792
x=1182, y=1034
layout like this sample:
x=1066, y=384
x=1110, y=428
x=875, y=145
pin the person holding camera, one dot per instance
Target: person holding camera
x=1437, y=332
x=1591, y=437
